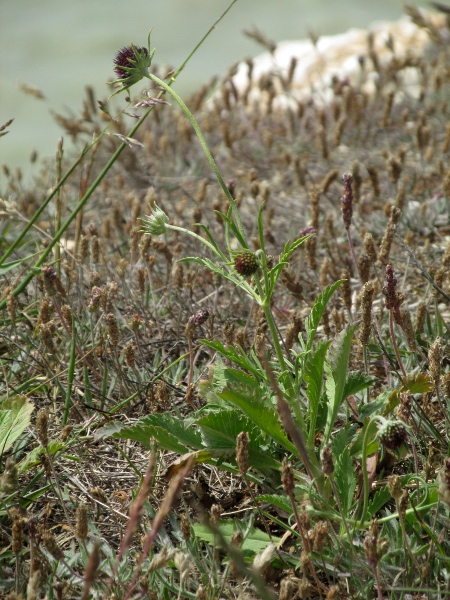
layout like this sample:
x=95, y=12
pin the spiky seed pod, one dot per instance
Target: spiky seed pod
x=246, y=263
x=393, y=435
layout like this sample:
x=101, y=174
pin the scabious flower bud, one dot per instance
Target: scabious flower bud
x=132, y=64
x=246, y=263
x=393, y=435
x=155, y=222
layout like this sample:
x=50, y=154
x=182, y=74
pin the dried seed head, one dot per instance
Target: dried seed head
x=407, y=326
x=112, y=329
x=393, y=298
x=420, y=316
x=347, y=200
x=369, y=247
x=242, y=444
x=9, y=478
x=52, y=546
x=320, y=535
x=95, y=249
x=435, y=359
x=95, y=299
x=92, y=565
x=82, y=522
x=44, y=313
x=394, y=486
x=216, y=511
x=364, y=265
x=52, y=282
x=327, y=461
x=130, y=353
x=373, y=175
x=17, y=533
x=12, y=307
x=287, y=477
x=185, y=527
x=42, y=427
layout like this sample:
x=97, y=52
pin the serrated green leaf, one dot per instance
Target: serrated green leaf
x=255, y=542
x=377, y=502
x=259, y=412
x=372, y=446
x=312, y=321
x=170, y=432
x=313, y=376
x=417, y=383
x=235, y=355
x=15, y=416
x=336, y=370
x=345, y=480
x=356, y=382
x=220, y=430
x=108, y=430
x=281, y=502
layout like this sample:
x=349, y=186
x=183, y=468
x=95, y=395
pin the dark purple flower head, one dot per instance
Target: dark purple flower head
x=131, y=64
x=307, y=231
x=200, y=317
x=246, y=263
x=126, y=59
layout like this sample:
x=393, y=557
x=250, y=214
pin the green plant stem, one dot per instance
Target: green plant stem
x=204, y=146
x=394, y=343
x=44, y=205
x=72, y=360
x=34, y=270
x=366, y=490
x=93, y=187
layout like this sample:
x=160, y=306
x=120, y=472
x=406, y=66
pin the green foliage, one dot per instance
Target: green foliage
x=15, y=416
x=255, y=540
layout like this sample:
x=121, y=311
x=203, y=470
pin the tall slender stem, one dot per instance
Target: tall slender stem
x=204, y=146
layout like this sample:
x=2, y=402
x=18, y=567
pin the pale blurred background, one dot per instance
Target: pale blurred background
x=62, y=45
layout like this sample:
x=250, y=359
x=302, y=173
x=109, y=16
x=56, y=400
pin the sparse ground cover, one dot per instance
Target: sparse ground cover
x=232, y=384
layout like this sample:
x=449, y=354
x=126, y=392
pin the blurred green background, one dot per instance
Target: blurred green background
x=63, y=45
